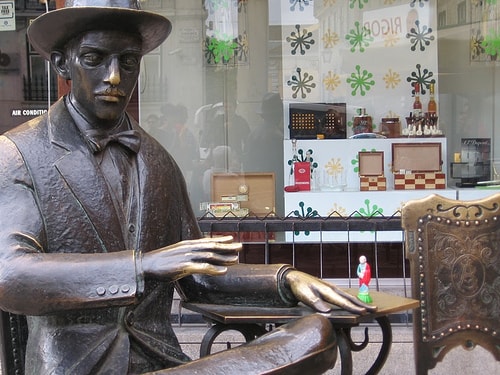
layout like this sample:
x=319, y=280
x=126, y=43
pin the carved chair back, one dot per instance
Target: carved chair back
x=454, y=252
x=13, y=337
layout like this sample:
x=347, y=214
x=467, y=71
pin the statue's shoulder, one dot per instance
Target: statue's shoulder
x=14, y=142
x=28, y=133
x=39, y=124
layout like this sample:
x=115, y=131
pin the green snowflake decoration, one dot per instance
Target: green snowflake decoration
x=360, y=37
x=301, y=157
x=301, y=84
x=421, y=3
x=361, y=3
x=304, y=214
x=355, y=162
x=424, y=77
x=220, y=50
x=420, y=37
x=301, y=3
x=300, y=40
x=491, y=44
x=361, y=81
x=369, y=211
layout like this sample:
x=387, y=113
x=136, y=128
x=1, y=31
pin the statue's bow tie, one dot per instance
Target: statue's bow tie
x=98, y=141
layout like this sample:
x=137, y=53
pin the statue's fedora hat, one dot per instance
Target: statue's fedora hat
x=53, y=29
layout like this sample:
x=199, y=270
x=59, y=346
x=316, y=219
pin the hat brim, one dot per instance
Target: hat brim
x=54, y=29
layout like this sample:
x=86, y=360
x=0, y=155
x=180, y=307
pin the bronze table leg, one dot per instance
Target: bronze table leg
x=345, y=343
x=347, y=346
x=249, y=331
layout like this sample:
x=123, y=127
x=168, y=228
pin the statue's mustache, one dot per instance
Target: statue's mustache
x=112, y=91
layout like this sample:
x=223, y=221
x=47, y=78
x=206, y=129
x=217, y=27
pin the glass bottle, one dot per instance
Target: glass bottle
x=417, y=104
x=362, y=123
x=295, y=159
x=431, y=106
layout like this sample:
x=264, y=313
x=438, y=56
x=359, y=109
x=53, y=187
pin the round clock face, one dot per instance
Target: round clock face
x=243, y=189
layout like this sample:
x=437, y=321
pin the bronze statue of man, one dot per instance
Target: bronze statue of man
x=96, y=227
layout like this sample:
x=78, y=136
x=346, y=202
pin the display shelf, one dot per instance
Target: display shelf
x=476, y=193
x=335, y=185
x=335, y=162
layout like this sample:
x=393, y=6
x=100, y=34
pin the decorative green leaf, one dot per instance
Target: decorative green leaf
x=491, y=43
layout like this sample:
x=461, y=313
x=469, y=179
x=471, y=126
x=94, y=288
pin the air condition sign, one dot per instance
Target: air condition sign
x=29, y=112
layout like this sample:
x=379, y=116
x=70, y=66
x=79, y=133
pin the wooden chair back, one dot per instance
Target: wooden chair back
x=454, y=251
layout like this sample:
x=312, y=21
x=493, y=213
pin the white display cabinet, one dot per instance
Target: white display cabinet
x=335, y=188
x=476, y=193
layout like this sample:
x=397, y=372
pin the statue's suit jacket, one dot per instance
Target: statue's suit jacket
x=85, y=312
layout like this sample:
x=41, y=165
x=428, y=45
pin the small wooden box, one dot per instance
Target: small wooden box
x=371, y=171
x=417, y=166
x=254, y=191
x=419, y=181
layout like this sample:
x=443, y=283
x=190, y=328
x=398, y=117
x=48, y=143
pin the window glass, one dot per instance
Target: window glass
x=217, y=94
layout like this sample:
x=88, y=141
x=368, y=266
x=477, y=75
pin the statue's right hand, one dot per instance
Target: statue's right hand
x=209, y=256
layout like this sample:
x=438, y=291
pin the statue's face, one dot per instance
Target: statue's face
x=104, y=68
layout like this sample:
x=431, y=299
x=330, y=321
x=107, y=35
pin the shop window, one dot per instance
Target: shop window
x=461, y=13
x=38, y=5
x=40, y=82
x=442, y=19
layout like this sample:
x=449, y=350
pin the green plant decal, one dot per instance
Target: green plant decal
x=361, y=81
x=220, y=50
x=359, y=37
x=491, y=44
x=368, y=211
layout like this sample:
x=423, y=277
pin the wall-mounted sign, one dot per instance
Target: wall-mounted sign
x=7, y=15
x=30, y=112
x=396, y=22
x=189, y=35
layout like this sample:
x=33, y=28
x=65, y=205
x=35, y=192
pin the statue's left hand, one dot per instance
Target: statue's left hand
x=209, y=256
x=320, y=295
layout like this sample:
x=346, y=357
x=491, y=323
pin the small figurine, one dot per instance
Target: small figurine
x=364, y=275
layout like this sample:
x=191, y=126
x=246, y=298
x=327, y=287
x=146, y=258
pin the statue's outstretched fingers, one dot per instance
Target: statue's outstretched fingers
x=355, y=300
